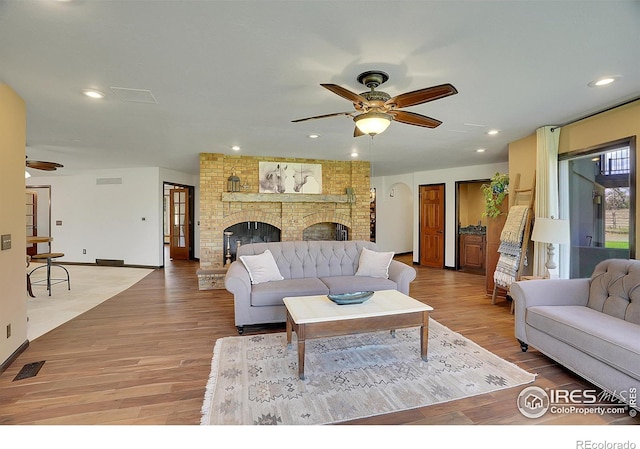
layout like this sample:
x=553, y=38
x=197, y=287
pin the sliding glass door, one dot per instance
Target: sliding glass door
x=597, y=195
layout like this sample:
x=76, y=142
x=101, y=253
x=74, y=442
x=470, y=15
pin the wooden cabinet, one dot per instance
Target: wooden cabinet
x=494, y=229
x=472, y=251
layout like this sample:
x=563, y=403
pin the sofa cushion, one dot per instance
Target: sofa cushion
x=308, y=258
x=374, y=263
x=614, y=289
x=611, y=340
x=350, y=284
x=271, y=293
x=261, y=268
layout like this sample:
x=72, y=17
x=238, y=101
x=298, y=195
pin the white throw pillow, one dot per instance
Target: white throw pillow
x=262, y=267
x=374, y=264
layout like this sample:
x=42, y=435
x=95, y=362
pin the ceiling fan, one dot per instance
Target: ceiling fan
x=43, y=165
x=374, y=110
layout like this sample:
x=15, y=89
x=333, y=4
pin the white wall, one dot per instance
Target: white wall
x=110, y=221
x=394, y=214
x=388, y=223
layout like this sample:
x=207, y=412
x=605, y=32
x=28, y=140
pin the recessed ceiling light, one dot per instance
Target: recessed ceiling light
x=235, y=148
x=313, y=136
x=493, y=132
x=605, y=80
x=354, y=154
x=480, y=150
x=92, y=93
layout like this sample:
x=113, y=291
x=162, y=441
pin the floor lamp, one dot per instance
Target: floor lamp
x=550, y=231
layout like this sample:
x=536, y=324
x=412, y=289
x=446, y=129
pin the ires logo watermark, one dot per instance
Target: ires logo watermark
x=534, y=402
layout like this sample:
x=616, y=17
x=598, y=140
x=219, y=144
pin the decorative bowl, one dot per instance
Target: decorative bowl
x=350, y=298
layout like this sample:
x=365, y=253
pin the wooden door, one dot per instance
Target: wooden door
x=32, y=220
x=179, y=243
x=432, y=226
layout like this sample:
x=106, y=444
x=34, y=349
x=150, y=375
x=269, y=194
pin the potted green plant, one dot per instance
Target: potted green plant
x=494, y=194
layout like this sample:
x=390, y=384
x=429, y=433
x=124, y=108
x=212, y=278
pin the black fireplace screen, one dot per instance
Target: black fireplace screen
x=259, y=232
x=247, y=232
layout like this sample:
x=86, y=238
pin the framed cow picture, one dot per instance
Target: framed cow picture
x=284, y=177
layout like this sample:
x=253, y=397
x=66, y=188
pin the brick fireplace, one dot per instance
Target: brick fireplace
x=291, y=213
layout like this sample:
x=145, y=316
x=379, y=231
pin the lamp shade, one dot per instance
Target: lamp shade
x=549, y=230
x=372, y=123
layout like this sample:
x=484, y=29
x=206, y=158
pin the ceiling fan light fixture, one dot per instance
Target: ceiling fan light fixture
x=373, y=123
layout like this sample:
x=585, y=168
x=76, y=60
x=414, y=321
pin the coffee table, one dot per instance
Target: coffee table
x=318, y=316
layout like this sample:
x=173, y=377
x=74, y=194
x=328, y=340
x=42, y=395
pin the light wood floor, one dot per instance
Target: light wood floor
x=143, y=357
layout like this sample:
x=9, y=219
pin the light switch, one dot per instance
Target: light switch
x=6, y=241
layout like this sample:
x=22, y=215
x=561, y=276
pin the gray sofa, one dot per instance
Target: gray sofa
x=590, y=325
x=307, y=268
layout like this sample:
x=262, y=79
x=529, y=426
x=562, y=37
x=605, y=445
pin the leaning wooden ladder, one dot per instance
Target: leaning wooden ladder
x=522, y=198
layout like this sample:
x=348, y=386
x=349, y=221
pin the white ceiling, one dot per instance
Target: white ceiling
x=238, y=72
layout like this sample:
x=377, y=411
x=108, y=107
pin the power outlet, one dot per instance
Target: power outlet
x=84, y=251
x=8, y=330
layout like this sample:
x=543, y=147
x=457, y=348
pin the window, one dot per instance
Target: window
x=597, y=191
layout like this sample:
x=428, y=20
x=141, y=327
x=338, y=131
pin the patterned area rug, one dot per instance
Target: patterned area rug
x=254, y=379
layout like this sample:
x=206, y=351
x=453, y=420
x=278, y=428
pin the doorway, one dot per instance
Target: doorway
x=38, y=209
x=471, y=226
x=178, y=235
x=432, y=235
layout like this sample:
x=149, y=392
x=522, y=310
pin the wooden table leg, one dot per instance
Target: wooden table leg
x=289, y=327
x=300, y=332
x=424, y=335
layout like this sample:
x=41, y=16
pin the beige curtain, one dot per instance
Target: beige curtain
x=546, y=203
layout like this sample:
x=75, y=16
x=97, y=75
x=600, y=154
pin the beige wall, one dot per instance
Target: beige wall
x=615, y=124
x=12, y=221
x=471, y=204
x=522, y=163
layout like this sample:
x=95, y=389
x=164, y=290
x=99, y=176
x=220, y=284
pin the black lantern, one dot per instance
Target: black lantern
x=233, y=183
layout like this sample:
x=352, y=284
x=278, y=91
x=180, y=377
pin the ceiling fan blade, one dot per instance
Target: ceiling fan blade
x=42, y=165
x=411, y=118
x=347, y=94
x=322, y=116
x=422, y=96
x=357, y=132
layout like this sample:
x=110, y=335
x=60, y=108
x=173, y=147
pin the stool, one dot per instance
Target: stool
x=29, y=291
x=49, y=257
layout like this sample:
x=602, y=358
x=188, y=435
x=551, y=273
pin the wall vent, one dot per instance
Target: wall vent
x=106, y=181
x=134, y=95
x=110, y=262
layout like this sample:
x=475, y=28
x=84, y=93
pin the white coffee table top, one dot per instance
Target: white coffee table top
x=316, y=309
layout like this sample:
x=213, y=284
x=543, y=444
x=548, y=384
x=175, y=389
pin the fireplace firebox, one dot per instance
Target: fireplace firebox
x=248, y=232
